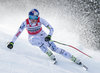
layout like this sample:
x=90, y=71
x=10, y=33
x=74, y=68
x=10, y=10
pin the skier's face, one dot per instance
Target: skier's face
x=33, y=21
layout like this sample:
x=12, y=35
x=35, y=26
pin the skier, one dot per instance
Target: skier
x=37, y=37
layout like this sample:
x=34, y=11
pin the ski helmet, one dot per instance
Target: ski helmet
x=33, y=14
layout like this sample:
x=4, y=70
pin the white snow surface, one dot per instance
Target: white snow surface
x=25, y=58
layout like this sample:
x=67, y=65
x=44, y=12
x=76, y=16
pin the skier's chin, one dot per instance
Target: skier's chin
x=33, y=21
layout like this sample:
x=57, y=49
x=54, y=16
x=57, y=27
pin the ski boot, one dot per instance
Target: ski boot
x=52, y=57
x=75, y=60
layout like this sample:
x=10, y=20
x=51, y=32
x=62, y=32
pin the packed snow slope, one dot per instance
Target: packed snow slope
x=25, y=58
x=65, y=17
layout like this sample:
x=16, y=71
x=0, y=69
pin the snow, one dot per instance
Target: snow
x=25, y=58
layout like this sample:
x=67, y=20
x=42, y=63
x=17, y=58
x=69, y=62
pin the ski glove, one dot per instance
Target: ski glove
x=48, y=38
x=10, y=45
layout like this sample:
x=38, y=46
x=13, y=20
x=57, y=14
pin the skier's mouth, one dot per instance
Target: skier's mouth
x=33, y=21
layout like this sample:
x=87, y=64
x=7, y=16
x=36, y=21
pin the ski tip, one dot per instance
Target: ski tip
x=90, y=57
x=55, y=62
x=85, y=67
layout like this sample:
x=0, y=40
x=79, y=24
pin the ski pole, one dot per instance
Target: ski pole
x=71, y=47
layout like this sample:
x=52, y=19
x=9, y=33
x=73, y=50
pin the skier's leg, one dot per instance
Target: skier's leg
x=47, y=51
x=77, y=61
x=64, y=53
x=54, y=48
x=36, y=41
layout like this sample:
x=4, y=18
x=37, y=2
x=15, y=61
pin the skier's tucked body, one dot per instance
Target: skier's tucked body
x=37, y=37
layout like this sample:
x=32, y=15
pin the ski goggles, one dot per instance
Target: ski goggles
x=33, y=17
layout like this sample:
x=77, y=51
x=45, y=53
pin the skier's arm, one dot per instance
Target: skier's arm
x=21, y=28
x=46, y=24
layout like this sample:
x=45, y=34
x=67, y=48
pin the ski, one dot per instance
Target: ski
x=82, y=65
x=85, y=67
x=55, y=62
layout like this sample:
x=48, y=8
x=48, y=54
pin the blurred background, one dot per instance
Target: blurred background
x=74, y=21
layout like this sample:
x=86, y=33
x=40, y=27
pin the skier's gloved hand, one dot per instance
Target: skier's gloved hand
x=10, y=45
x=48, y=38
